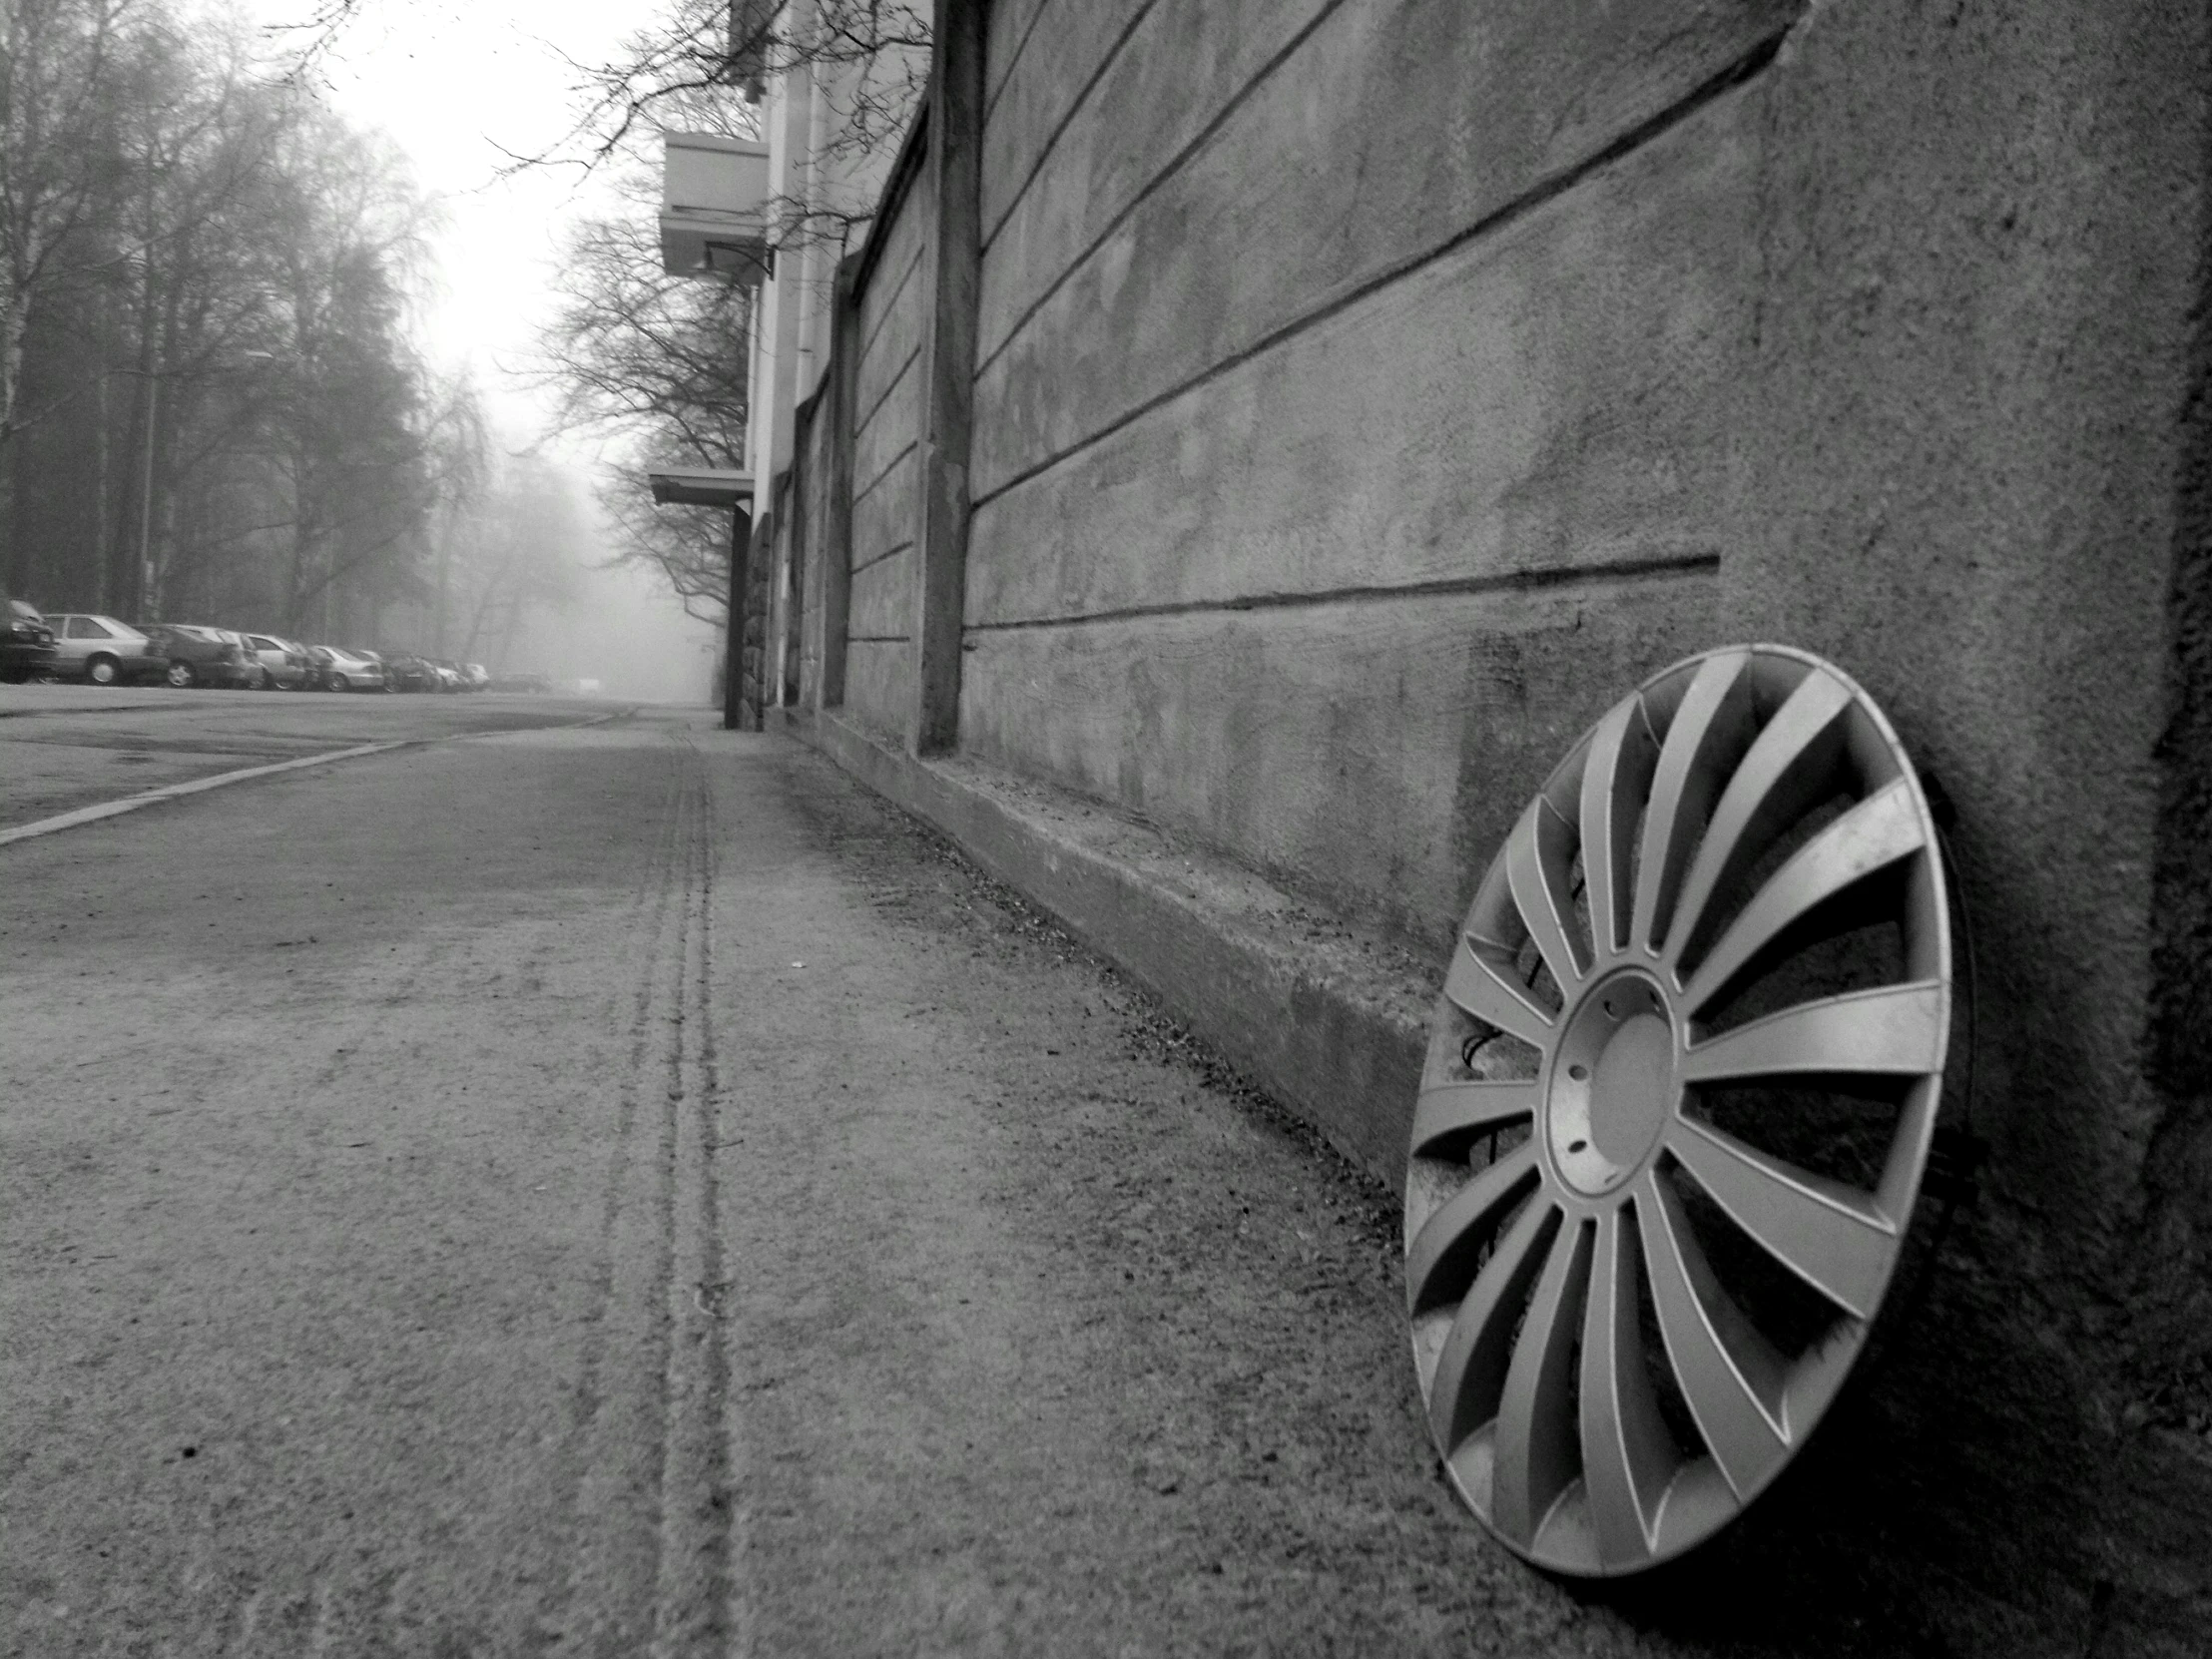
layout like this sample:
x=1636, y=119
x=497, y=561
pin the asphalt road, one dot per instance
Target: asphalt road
x=620, y=1190
x=64, y=746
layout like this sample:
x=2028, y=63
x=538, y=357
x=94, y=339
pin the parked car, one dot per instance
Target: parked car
x=283, y=662
x=475, y=676
x=337, y=670
x=200, y=656
x=410, y=674
x=26, y=643
x=450, y=678
x=251, y=675
x=102, y=650
x=534, y=683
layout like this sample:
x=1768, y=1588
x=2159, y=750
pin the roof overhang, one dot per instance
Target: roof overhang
x=714, y=206
x=701, y=486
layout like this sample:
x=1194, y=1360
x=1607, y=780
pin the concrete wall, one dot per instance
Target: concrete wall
x=1338, y=396
x=1367, y=393
x=894, y=305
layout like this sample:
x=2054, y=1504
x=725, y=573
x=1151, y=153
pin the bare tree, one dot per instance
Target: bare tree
x=55, y=63
x=656, y=364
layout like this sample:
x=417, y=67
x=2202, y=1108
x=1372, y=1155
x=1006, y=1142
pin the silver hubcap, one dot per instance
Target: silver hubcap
x=1679, y=1098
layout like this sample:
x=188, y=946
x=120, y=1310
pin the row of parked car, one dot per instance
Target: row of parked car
x=106, y=652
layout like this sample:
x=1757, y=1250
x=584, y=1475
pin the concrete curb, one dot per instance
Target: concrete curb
x=1332, y=1025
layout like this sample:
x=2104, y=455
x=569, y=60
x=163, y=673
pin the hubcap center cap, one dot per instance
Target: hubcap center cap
x=1612, y=1085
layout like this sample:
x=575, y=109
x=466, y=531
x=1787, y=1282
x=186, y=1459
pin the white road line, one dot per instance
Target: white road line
x=131, y=803
x=170, y=792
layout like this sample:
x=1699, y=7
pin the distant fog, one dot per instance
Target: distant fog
x=625, y=630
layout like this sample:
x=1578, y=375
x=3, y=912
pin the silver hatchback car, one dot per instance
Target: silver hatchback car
x=103, y=650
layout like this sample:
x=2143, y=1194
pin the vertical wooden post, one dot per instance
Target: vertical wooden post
x=948, y=370
x=732, y=665
x=831, y=558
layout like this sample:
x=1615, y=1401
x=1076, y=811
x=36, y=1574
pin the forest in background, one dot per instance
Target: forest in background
x=212, y=404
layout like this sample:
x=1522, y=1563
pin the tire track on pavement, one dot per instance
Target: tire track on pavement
x=695, y=1608
x=592, y=1612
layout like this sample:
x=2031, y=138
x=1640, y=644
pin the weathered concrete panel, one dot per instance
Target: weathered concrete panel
x=894, y=347
x=1037, y=96
x=1006, y=24
x=883, y=597
x=1183, y=63
x=1558, y=394
x=895, y=265
x=891, y=430
x=1959, y=464
x=878, y=683
x=1368, y=754
x=886, y=514
x=1436, y=117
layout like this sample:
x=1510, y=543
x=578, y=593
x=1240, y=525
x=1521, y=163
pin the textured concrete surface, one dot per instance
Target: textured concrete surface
x=623, y=1191
x=1953, y=1504
x=1389, y=358
x=1959, y=464
x=1354, y=751
x=887, y=506
x=1436, y=120
x=1556, y=396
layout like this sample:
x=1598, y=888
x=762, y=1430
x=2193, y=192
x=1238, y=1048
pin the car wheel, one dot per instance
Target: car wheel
x=337, y=681
x=102, y=670
x=181, y=674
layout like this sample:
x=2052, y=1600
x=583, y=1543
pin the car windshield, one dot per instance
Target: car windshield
x=16, y=608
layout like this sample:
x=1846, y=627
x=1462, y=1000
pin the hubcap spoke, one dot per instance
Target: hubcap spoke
x=1538, y=859
x=1536, y=1451
x=1486, y=988
x=1627, y=1455
x=1785, y=770
x=1450, y=1112
x=1873, y=836
x=1828, y=1235
x=1443, y=1256
x=1710, y=729
x=1470, y=1368
x=1729, y=1374
x=1614, y=782
x=1895, y=1031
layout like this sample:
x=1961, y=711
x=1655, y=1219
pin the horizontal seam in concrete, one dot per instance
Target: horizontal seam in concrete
x=1519, y=208
x=890, y=466
x=1166, y=171
x=1014, y=58
x=887, y=553
x=171, y=792
x=1286, y=1014
x=1517, y=581
x=890, y=386
x=1067, y=117
x=891, y=303
x=877, y=639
